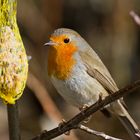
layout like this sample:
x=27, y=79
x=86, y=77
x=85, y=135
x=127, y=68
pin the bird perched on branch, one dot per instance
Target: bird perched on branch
x=80, y=76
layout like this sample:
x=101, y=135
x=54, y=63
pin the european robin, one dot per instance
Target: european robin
x=80, y=76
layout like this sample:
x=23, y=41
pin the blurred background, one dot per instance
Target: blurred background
x=109, y=29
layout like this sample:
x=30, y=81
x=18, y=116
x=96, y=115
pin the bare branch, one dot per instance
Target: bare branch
x=135, y=17
x=97, y=133
x=71, y=124
x=138, y=134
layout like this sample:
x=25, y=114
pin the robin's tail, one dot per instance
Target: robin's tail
x=126, y=120
x=130, y=125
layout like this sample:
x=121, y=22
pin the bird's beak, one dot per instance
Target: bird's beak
x=50, y=43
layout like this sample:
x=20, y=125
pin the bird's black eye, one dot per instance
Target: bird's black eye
x=66, y=40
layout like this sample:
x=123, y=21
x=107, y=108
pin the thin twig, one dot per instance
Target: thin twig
x=138, y=134
x=135, y=17
x=97, y=133
x=86, y=113
x=13, y=121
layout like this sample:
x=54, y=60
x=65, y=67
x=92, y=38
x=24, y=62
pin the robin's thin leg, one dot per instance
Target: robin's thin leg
x=61, y=125
x=85, y=106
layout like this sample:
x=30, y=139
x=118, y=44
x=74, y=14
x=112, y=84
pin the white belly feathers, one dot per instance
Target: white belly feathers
x=80, y=88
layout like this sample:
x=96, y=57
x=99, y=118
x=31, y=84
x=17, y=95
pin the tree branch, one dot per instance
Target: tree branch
x=135, y=17
x=97, y=133
x=71, y=124
x=138, y=134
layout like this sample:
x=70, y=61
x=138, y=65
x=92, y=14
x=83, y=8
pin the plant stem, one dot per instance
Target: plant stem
x=13, y=121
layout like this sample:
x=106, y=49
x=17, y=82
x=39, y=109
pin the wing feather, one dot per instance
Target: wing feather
x=97, y=70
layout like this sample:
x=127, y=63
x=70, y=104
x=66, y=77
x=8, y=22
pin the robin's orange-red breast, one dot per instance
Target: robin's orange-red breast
x=80, y=76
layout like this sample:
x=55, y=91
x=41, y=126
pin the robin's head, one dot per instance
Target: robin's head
x=66, y=37
x=63, y=44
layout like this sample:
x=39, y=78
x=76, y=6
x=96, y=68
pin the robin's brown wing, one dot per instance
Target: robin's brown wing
x=97, y=70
